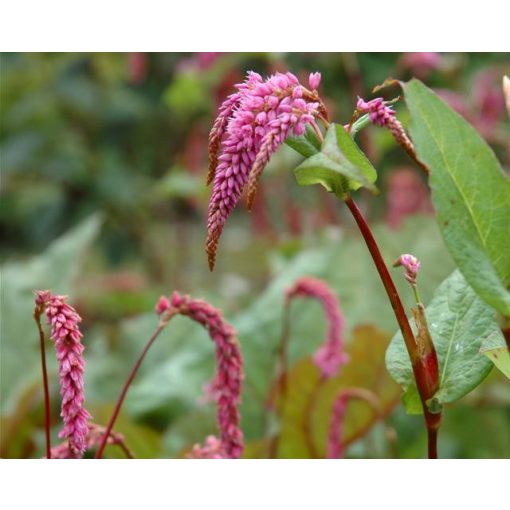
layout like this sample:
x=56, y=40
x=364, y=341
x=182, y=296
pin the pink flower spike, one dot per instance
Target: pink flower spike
x=251, y=125
x=162, y=305
x=227, y=383
x=411, y=265
x=65, y=332
x=314, y=80
x=330, y=356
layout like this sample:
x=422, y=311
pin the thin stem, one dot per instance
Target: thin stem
x=282, y=375
x=283, y=356
x=432, y=443
x=387, y=281
x=416, y=293
x=47, y=416
x=124, y=391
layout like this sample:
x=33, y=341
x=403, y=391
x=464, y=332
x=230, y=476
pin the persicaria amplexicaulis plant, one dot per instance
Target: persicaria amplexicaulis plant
x=252, y=123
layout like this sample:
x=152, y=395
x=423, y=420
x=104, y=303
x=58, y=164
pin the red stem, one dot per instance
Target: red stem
x=426, y=385
x=47, y=416
x=127, y=384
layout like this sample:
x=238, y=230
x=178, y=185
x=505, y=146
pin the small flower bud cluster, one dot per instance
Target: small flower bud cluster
x=330, y=357
x=411, y=265
x=229, y=377
x=65, y=332
x=93, y=438
x=211, y=450
x=251, y=125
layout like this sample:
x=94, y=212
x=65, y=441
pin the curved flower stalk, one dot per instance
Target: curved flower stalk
x=227, y=385
x=64, y=321
x=382, y=114
x=330, y=356
x=335, y=447
x=251, y=125
x=92, y=439
x=229, y=377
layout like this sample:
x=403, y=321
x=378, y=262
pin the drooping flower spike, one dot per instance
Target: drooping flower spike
x=251, y=125
x=65, y=332
x=330, y=356
x=382, y=114
x=228, y=381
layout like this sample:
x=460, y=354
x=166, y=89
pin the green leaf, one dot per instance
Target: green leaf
x=340, y=166
x=459, y=322
x=470, y=192
x=498, y=354
x=307, y=145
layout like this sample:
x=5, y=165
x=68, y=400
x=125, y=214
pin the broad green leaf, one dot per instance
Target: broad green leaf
x=340, y=166
x=470, y=192
x=54, y=269
x=459, y=321
x=305, y=426
x=498, y=354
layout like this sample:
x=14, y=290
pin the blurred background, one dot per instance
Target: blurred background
x=103, y=198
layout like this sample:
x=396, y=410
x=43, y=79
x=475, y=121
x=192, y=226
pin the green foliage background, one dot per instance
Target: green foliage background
x=103, y=160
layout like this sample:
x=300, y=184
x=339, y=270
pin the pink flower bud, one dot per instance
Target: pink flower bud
x=411, y=265
x=314, y=80
x=162, y=305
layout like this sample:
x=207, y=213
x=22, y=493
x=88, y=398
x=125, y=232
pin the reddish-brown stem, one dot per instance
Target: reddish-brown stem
x=432, y=442
x=426, y=385
x=47, y=416
x=281, y=377
x=125, y=389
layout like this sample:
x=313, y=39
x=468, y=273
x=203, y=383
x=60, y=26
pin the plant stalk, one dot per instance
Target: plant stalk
x=47, y=415
x=427, y=385
x=125, y=388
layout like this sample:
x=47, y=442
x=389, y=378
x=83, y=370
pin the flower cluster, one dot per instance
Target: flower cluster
x=93, y=438
x=330, y=357
x=411, y=265
x=65, y=332
x=228, y=381
x=211, y=450
x=252, y=123
x=383, y=115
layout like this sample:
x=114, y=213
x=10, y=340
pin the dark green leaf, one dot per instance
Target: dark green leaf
x=470, y=192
